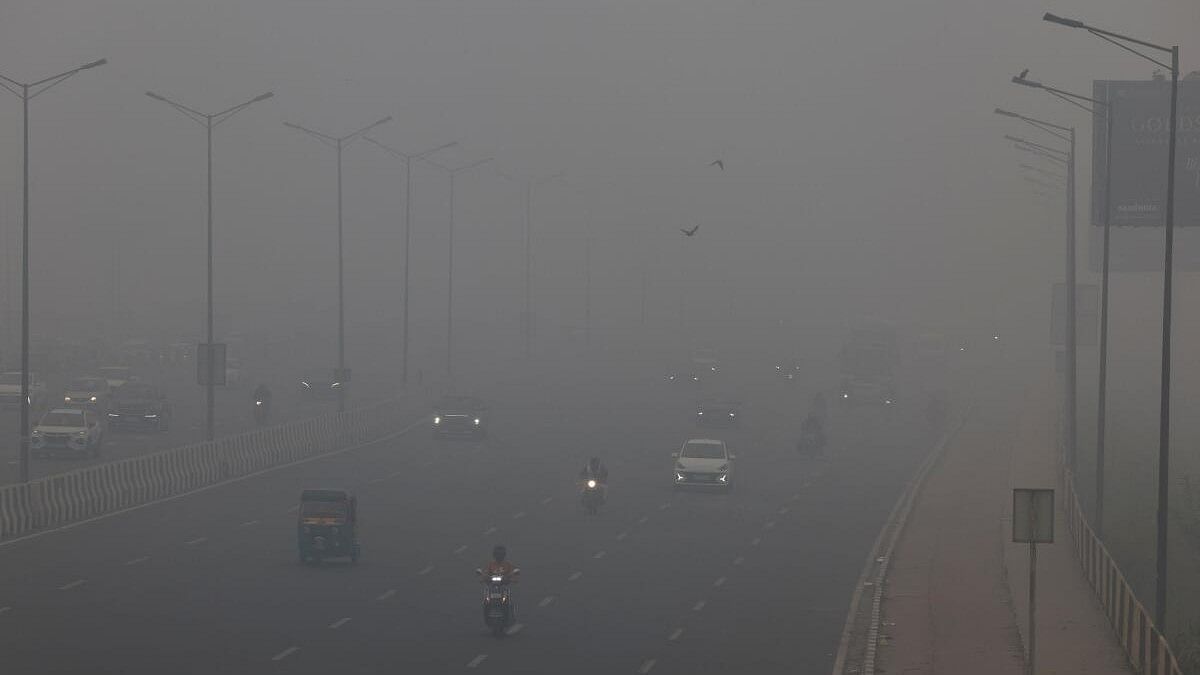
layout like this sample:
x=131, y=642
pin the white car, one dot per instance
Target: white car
x=68, y=430
x=703, y=463
x=10, y=390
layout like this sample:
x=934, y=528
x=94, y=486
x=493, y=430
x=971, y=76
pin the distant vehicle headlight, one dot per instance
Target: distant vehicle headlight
x=92, y=399
x=437, y=420
x=679, y=476
x=723, y=477
x=845, y=395
x=306, y=385
x=150, y=417
x=113, y=415
x=591, y=484
x=477, y=421
x=66, y=399
x=37, y=432
x=335, y=385
x=81, y=434
x=699, y=412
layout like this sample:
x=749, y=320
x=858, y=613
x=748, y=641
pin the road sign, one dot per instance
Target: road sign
x=1033, y=516
x=214, y=353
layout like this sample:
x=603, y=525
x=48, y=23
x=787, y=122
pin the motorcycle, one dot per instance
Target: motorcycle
x=591, y=497
x=262, y=409
x=499, y=610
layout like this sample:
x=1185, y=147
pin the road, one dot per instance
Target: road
x=757, y=580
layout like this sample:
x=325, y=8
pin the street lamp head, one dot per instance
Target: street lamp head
x=1006, y=113
x=1017, y=79
x=156, y=97
x=1069, y=23
x=262, y=97
x=93, y=64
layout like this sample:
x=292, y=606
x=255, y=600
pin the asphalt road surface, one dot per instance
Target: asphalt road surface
x=754, y=581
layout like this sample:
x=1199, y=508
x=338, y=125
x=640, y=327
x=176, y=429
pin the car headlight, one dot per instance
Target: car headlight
x=845, y=395
x=66, y=399
x=723, y=477
x=699, y=412
x=679, y=476
x=477, y=421
x=591, y=484
x=81, y=434
x=92, y=399
x=733, y=414
x=113, y=415
x=437, y=420
x=151, y=416
x=258, y=403
x=37, y=432
x=306, y=385
x=336, y=385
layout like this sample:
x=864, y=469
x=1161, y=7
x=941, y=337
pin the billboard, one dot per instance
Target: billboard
x=1140, y=132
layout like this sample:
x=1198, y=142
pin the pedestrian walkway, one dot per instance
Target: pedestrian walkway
x=956, y=593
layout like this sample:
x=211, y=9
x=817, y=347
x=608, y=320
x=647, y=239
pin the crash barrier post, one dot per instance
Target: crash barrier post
x=1145, y=647
x=103, y=488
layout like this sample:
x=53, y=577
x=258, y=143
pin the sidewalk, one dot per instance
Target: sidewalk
x=955, y=597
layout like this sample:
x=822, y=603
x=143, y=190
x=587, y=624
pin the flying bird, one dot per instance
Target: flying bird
x=691, y=232
x=1023, y=74
x=719, y=163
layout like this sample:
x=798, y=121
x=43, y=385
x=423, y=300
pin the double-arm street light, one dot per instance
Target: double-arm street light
x=208, y=121
x=26, y=91
x=338, y=143
x=1093, y=105
x=407, y=158
x=1131, y=45
x=1066, y=134
x=453, y=172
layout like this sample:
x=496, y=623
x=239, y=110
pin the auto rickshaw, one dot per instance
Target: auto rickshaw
x=327, y=526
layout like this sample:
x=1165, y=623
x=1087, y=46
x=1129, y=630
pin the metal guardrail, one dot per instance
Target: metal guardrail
x=1145, y=647
x=104, y=488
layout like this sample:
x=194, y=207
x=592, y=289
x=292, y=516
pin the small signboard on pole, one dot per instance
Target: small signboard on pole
x=1033, y=524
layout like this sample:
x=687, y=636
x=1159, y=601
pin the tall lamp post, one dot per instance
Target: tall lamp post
x=1066, y=134
x=26, y=91
x=1164, y=421
x=1107, y=105
x=450, y=261
x=208, y=121
x=527, y=310
x=407, y=158
x=339, y=143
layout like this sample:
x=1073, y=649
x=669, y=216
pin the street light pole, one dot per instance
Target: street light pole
x=209, y=121
x=450, y=262
x=339, y=143
x=407, y=158
x=27, y=91
x=1164, y=419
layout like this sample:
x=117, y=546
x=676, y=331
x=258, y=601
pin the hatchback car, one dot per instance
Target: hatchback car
x=703, y=463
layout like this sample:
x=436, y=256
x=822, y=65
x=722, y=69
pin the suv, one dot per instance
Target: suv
x=68, y=429
x=139, y=406
x=704, y=463
x=10, y=390
x=88, y=392
x=460, y=416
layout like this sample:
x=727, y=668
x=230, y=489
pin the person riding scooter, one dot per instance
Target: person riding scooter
x=262, y=403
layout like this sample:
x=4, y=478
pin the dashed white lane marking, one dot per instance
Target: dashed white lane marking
x=377, y=480
x=427, y=570
x=197, y=540
x=460, y=549
x=699, y=605
x=647, y=667
x=719, y=582
x=285, y=653
x=518, y=515
x=599, y=555
x=675, y=636
x=514, y=629
x=643, y=520
x=386, y=594
x=739, y=560
x=574, y=576
x=490, y=530
x=783, y=510
x=73, y=584
x=664, y=506
x=756, y=541
x=547, y=500
x=339, y=623
x=5, y=609
x=546, y=601
x=768, y=525
x=248, y=523
x=394, y=474
x=474, y=663
x=137, y=561
x=806, y=483
x=621, y=537
x=796, y=497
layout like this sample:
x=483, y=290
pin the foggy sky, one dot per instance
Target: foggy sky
x=862, y=155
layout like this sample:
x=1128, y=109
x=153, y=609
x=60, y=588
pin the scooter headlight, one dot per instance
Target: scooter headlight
x=591, y=485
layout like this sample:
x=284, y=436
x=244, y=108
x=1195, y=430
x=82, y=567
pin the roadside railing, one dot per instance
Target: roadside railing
x=104, y=488
x=1143, y=644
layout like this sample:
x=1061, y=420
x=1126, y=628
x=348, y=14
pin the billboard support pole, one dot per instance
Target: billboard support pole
x=1071, y=290
x=1102, y=396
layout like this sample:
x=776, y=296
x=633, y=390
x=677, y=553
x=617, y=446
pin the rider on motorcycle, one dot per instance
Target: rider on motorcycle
x=262, y=393
x=499, y=566
x=595, y=470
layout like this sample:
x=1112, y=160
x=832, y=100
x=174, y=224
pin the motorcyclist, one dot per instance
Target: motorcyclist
x=595, y=470
x=262, y=402
x=500, y=566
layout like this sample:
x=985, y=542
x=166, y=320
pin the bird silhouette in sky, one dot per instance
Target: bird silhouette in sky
x=719, y=163
x=691, y=232
x=1023, y=74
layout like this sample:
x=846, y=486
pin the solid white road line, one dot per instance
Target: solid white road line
x=647, y=667
x=739, y=560
x=460, y=549
x=546, y=601
x=719, y=582
x=137, y=561
x=339, y=623
x=474, y=663
x=73, y=584
x=490, y=530
x=285, y=653
x=574, y=576
x=386, y=594
x=756, y=541
x=198, y=540
x=675, y=636
x=699, y=605
x=427, y=570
